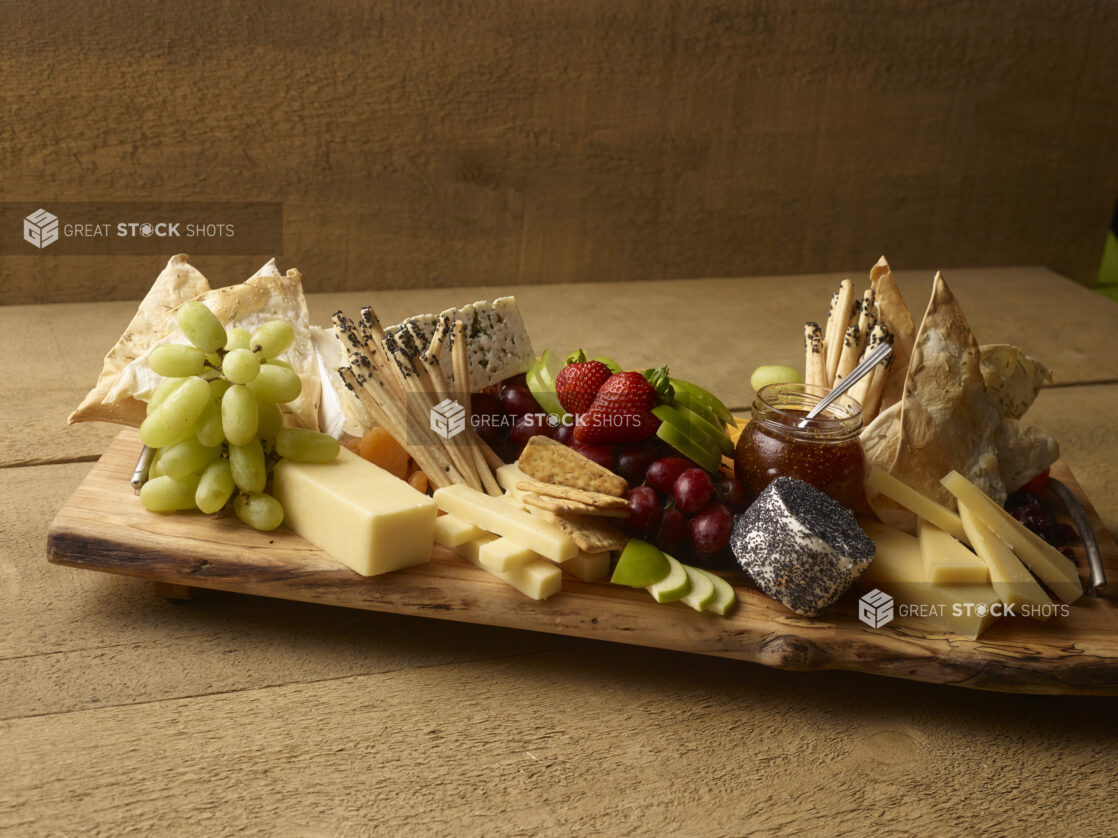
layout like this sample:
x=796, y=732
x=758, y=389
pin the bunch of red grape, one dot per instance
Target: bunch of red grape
x=1028, y=508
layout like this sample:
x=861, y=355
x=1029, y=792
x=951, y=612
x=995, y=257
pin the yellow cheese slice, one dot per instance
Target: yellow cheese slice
x=450, y=531
x=1042, y=558
x=1011, y=579
x=498, y=516
x=946, y=560
x=916, y=502
x=589, y=567
x=538, y=579
x=898, y=570
x=360, y=514
x=503, y=554
x=509, y=475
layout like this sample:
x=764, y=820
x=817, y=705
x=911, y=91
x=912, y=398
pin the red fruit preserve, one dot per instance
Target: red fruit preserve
x=823, y=451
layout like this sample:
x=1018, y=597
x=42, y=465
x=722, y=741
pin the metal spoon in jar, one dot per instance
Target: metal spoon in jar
x=882, y=352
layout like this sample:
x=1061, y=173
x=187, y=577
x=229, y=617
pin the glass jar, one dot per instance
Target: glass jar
x=824, y=451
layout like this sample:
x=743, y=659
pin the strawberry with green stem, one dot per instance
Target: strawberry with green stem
x=578, y=382
x=621, y=410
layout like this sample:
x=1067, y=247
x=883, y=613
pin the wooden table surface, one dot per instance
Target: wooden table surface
x=121, y=713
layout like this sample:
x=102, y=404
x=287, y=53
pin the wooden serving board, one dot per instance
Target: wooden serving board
x=103, y=527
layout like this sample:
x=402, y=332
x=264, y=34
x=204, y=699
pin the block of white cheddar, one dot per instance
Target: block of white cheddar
x=898, y=570
x=498, y=516
x=946, y=560
x=509, y=475
x=360, y=514
x=450, y=531
x=1011, y=579
x=538, y=579
x=1059, y=574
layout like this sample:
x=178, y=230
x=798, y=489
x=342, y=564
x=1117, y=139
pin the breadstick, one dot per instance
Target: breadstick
x=848, y=360
x=813, y=354
x=836, y=331
x=860, y=389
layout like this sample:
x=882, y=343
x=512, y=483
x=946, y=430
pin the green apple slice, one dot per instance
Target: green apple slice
x=676, y=585
x=541, y=382
x=702, y=592
x=640, y=565
x=614, y=367
x=724, y=597
x=712, y=432
x=702, y=451
x=690, y=394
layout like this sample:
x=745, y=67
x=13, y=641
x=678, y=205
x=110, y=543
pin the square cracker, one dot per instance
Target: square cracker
x=598, y=500
x=593, y=535
x=552, y=462
x=564, y=506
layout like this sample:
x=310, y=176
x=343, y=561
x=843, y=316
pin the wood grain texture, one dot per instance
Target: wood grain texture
x=711, y=331
x=457, y=143
x=103, y=527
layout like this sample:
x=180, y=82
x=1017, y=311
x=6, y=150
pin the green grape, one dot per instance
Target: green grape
x=271, y=419
x=238, y=339
x=276, y=384
x=201, y=326
x=187, y=457
x=177, y=360
x=239, y=415
x=258, y=510
x=305, y=446
x=165, y=388
x=166, y=494
x=241, y=366
x=281, y=363
x=215, y=488
x=154, y=470
x=247, y=464
x=271, y=339
x=208, y=429
x=154, y=434
x=214, y=361
x=218, y=386
x=180, y=410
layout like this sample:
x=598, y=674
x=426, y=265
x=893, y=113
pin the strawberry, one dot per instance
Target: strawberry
x=578, y=383
x=620, y=411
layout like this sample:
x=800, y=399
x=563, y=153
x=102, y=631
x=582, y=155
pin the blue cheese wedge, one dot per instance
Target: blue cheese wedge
x=800, y=546
x=498, y=343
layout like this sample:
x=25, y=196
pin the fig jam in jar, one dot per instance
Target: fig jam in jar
x=823, y=451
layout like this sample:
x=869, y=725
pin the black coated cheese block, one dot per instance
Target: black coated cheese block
x=800, y=546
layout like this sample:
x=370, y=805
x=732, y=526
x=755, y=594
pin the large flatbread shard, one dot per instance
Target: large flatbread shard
x=1012, y=378
x=265, y=296
x=947, y=419
x=895, y=314
x=176, y=284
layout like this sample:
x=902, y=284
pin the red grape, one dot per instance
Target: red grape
x=711, y=528
x=528, y=426
x=644, y=511
x=662, y=474
x=633, y=462
x=564, y=433
x=672, y=530
x=517, y=400
x=601, y=454
x=693, y=490
x=488, y=417
x=732, y=493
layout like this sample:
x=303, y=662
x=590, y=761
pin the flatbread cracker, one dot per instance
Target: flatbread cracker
x=552, y=462
x=593, y=535
x=552, y=490
x=566, y=506
x=893, y=312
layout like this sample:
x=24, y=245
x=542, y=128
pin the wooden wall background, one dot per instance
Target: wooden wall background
x=533, y=141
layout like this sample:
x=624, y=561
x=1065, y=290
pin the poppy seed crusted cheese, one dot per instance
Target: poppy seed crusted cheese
x=800, y=546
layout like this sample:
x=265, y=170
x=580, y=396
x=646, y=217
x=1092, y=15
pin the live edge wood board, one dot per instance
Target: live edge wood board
x=103, y=527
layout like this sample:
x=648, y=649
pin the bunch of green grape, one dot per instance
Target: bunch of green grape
x=215, y=422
